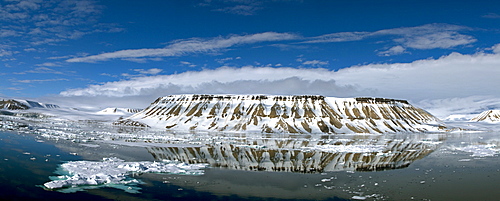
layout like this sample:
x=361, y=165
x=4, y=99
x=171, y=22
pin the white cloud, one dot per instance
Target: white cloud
x=151, y=71
x=393, y=51
x=189, y=64
x=491, y=15
x=141, y=72
x=442, y=108
x=237, y=7
x=224, y=60
x=449, y=78
x=240, y=9
x=39, y=80
x=496, y=48
x=193, y=45
x=50, y=64
x=429, y=36
x=442, y=40
x=39, y=22
x=339, y=37
x=4, y=53
x=193, y=79
x=315, y=63
x=42, y=69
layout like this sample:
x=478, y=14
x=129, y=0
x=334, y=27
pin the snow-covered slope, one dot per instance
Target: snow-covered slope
x=283, y=114
x=118, y=111
x=488, y=116
x=15, y=104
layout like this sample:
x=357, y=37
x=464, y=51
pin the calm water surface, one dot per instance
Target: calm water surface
x=412, y=167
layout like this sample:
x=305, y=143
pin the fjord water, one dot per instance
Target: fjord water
x=463, y=166
x=25, y=163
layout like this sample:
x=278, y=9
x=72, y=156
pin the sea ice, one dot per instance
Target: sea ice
x=480, y=150
x=113, y=172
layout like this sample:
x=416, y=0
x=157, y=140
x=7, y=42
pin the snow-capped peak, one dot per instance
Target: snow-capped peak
x=488, y=116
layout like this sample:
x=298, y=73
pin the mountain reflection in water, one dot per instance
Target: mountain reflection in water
x=306, y=154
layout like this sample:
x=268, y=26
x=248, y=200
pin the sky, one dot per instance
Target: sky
x=441, y=55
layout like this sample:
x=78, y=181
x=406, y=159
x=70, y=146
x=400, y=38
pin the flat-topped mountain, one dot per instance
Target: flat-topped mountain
x=283, y=114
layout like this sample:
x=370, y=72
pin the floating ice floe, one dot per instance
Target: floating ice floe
x=113, y=172
x=481, y=150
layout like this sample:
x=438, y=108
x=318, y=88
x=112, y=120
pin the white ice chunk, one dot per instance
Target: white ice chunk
x=480, y=150
x=356, y=197
x=114, y=171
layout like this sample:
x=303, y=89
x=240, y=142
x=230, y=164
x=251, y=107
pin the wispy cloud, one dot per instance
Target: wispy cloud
x=339, y=37
x=492, y=16
x=429, y=36
x=45, y=70
x=496, y=49
x=393, y=51
x=4, y=52
x=189, y=64
x=141, y=72
x=237, y=7
x=240, y=9
x=151, y=71
x=315, y=63
x=227, y=59
x=193, y=45
x=50, y=64
x=39, y=80
x=28, y=23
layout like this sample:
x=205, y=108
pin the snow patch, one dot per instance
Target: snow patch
x=118, y=111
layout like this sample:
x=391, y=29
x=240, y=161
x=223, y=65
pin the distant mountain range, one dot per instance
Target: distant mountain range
x=118, y=111
x=283, y=114
x=16, y=104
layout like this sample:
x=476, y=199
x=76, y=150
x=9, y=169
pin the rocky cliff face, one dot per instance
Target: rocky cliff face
x=283, y=114
x=488, y=116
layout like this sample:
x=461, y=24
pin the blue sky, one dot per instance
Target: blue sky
x=121, y=48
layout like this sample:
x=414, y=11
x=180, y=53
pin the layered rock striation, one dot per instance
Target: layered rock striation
x=283, y=114
x=488, y=116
